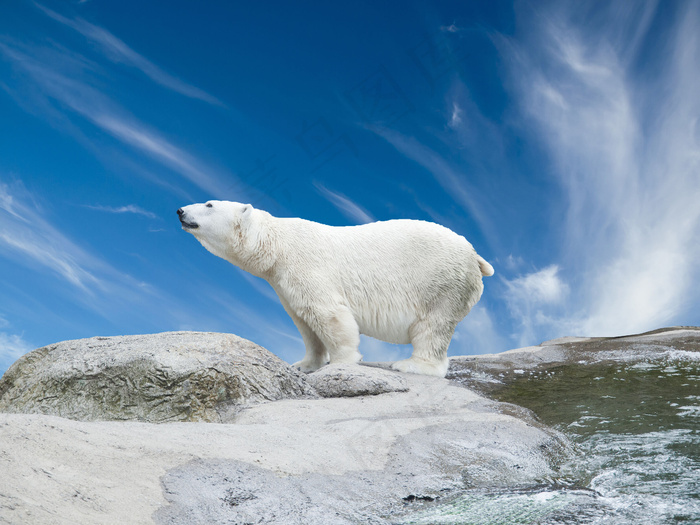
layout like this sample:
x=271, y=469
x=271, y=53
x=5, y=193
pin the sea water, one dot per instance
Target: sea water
x=636, y=427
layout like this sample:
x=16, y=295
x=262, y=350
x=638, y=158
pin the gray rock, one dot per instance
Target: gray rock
x=355, y=380
x=471, y=448
x=490, y=373
x=365, y=459
x=173, y=376
x=368, y=459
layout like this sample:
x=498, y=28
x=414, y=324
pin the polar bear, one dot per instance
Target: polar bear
x=401, y=281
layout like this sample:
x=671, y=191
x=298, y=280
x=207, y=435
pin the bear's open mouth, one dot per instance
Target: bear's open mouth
x=188, y=225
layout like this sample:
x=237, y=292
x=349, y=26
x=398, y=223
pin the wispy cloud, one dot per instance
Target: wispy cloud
x=454, y=183
x=56, y=73
x=117, y=51
x=350, y=209
x=456, y=117
x=24, y=232
x=136, y=134
x=12, y=347
x=452, y=28
x=30, y=237
x=130, y=208
x=625, y=147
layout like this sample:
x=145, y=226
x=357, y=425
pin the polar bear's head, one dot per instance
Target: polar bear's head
x=224, y=228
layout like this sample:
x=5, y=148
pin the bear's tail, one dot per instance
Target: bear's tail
x=486, y=268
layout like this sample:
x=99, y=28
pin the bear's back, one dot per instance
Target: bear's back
x=381, y=254
x=398, y=239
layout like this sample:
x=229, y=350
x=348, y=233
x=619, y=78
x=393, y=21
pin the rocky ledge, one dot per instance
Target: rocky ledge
x=347, y=444
x=168, y=377
x=242, y=437
x=490, y=373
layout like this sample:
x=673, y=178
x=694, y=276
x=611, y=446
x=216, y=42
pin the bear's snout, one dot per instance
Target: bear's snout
x=187, y=224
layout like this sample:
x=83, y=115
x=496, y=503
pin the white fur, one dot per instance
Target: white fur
x=401, y=281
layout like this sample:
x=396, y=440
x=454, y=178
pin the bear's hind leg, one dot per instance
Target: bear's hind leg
x=430, y=339
x=341, y=336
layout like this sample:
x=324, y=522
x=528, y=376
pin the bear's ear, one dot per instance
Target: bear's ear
x=246, y=214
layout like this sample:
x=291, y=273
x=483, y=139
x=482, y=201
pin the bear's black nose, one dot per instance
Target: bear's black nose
x=180, y=212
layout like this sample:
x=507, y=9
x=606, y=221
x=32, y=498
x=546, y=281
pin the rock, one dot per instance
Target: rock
x=427, y=464
x=490, y=373
x=355, y=380
x=413, y=447
x=375, y=459
x=311, y=461
x=173, y=376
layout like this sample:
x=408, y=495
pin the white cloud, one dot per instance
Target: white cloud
x=534, y=301
x=56, y=71
x=12, y=347
x=129, y=208
x=350, y=209
x=626, y=150
x=543, y=286
x=456, y=117
x=117, y=51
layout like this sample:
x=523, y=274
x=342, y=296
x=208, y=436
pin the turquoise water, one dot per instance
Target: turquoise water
x=636, y=427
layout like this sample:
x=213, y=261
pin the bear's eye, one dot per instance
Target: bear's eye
x=209, y=205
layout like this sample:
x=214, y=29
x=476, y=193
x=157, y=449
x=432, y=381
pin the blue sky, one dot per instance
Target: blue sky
x=561, y=138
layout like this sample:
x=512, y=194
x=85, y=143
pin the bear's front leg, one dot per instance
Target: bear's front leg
x=316, y=354
x=338, y=330
x=309, y=365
